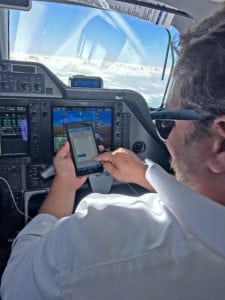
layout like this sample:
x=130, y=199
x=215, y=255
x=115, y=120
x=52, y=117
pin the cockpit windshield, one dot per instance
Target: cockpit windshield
x=124, y=51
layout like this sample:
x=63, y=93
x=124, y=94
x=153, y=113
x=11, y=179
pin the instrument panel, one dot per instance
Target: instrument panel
x=34, y=108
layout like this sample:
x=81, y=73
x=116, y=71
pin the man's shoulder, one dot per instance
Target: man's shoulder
x=118, y=206
x=105, y=229
x=103, y=200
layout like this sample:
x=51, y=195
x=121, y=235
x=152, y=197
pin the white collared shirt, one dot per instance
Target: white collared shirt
x=169, y=245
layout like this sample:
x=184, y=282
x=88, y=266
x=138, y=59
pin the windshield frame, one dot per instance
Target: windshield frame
x=164, y=75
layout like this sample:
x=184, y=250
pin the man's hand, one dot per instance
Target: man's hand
x=64, y=168
x=124, y=166
x=60, y=199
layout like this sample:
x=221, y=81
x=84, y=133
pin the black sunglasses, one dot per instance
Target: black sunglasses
x=164, y=119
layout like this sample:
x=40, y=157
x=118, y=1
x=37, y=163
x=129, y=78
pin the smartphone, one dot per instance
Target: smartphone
x=83, y=148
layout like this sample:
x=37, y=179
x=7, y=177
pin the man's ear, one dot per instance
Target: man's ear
x=217, y=162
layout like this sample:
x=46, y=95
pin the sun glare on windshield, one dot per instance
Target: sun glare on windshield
x=126, y=52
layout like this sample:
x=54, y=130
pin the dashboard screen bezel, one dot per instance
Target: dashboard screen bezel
x=16, y=109
x=86, y=107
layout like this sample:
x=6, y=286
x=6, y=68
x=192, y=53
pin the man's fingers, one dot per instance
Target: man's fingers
x=65, y=150
x=101, y=148
x=104, y=157
x=109, y=167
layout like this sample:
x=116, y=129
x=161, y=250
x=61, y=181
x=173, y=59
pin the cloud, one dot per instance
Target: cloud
x=143, y=79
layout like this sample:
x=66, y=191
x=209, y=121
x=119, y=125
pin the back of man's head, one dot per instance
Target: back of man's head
x=199, y=76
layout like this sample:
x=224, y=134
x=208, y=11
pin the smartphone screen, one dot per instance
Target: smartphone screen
x=83, y=148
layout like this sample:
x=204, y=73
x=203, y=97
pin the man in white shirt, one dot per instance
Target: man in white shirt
x=164, y=245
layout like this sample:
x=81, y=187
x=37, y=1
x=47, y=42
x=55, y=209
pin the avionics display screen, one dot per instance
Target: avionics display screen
x=13, y=131
x=100, y=118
